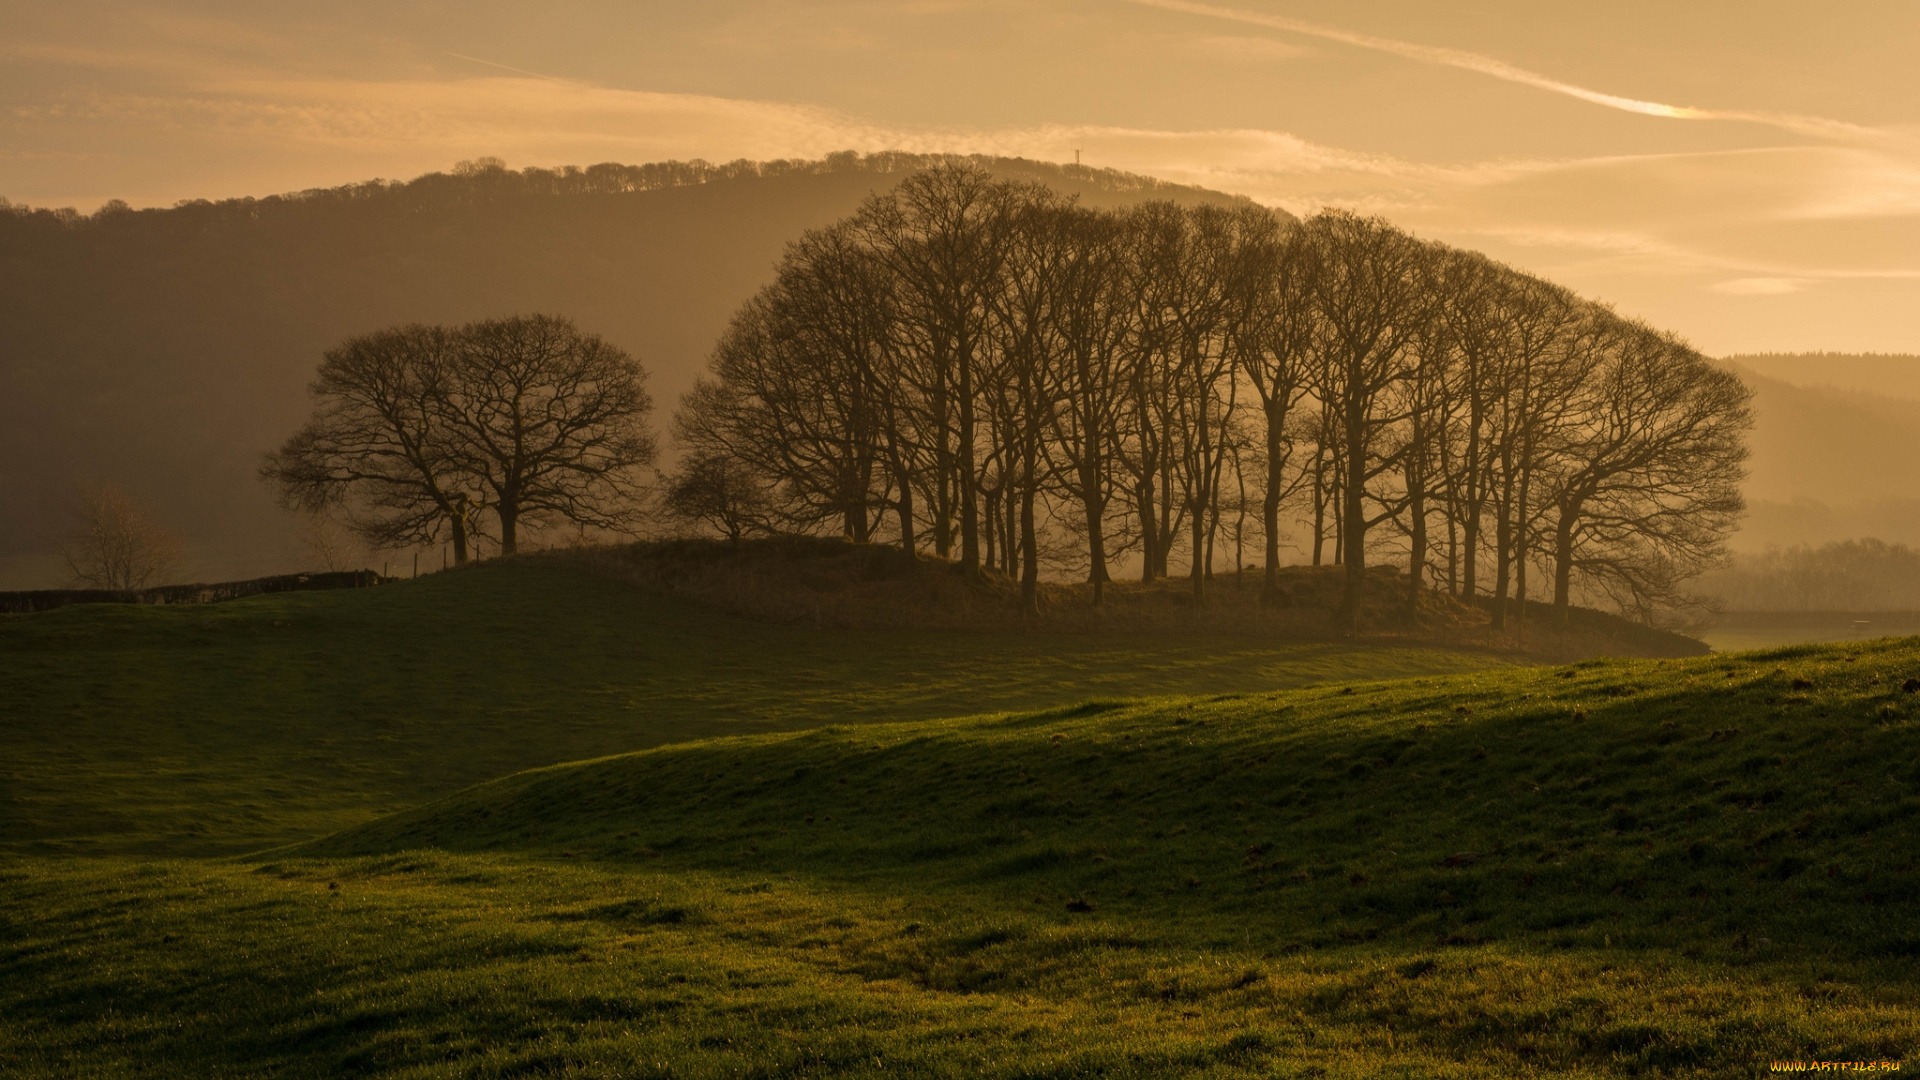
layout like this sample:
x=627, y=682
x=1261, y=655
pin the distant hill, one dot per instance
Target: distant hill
x=1832, y=458
x=166, y=350
x=1886, y=374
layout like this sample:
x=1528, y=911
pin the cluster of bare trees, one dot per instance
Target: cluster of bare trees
x=988, y=370
x=425, y=434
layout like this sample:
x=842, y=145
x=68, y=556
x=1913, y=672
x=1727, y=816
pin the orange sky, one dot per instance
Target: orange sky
x=1745, y=173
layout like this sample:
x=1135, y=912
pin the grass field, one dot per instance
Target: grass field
x=233, y=727
x=1632, y=868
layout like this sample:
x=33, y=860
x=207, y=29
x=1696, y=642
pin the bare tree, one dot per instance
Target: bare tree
x=1025, y=333
x=1088, y=427
x=1648, y=484
x=326, y=541
x=1274, y=351
x=379, y=443
x=942, y=235
x=551, y=420
x=1370, y=291
x=117, y=544
x=980, y=357
x=718, y=491
x=1473, y=329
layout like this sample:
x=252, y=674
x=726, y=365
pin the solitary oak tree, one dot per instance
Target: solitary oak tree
x=420, y=430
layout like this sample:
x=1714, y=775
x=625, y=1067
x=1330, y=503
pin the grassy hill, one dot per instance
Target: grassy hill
x=831, y=583
x=1674, y=868
x=236, y=726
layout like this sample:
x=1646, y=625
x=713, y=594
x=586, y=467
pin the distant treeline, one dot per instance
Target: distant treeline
x=985, y=368
x=1853, y=575
x=489, y=180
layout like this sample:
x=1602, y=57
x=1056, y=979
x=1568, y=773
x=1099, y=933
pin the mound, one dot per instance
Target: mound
x=1763, y=804
x=829, y=582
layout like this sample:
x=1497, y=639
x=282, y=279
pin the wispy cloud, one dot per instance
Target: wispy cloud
x=1500, y=69
x=1667, y=235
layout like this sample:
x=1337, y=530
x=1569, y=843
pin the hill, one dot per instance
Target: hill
x=166, y=350
x=1895, y=375
x=1646, y=868
x=1833, y=446
x=829, y=582
x=195, y=730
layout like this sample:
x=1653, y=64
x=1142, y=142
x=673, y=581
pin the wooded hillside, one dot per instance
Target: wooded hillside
x=166, y=350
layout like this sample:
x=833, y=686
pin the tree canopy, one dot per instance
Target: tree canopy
x=985, y=367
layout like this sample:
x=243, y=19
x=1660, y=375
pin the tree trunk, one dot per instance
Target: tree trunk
x=1270, y=521
x=969, y=506
x=907, y=540
x=509, y=511
x=1029, y=554
x=1319, y=511
x=1453, y=556
x=1149, y=529
x=993, y=530
x=1355, y=531
x=1417, y=542
x=1502, y=543
x=1198, y=528
x=459, y=523
x=1563, y=564
x=1520, y=553
x=1476, y=497
x=1093, y=505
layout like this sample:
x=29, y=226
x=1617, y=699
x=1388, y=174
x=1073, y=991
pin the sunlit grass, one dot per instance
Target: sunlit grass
x=1631, y=868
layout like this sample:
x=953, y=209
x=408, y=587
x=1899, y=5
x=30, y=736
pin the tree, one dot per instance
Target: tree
x=118, y=545
x=1273, y=352
x=551, y=420
x=1648, y=485
x=942, y=236
x=984, y=354
x=325, y=541
x=716, y=490
x=1371, y=291
x=379, y=443
x=1087, y=428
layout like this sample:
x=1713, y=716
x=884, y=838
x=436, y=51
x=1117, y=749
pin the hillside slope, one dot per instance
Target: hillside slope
x=1834, y=447
x=1682, y=801
x=229, y=727
x=166, y=350
x=1681, y=868
x=827, y=582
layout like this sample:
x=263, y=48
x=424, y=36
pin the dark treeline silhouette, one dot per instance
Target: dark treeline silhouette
x=985, y=369
x=421, y=431
x=1851, y=575
x=163, y=351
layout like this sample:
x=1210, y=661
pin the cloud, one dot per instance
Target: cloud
x=1759, y=286
x=1499, y=69
x=1666, y=235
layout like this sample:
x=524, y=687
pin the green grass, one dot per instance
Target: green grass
x=233, y=727
x=1636, y=868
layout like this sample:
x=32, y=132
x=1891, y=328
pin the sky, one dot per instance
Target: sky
x=1746, y=174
